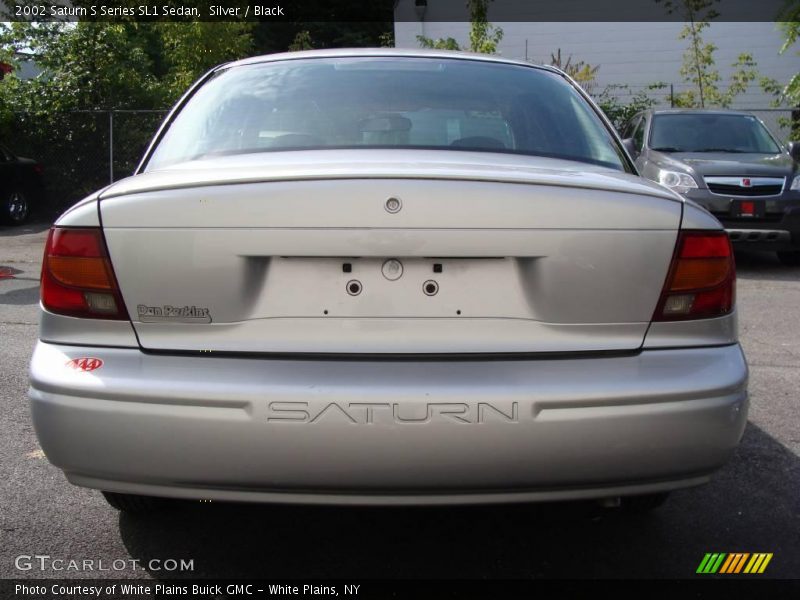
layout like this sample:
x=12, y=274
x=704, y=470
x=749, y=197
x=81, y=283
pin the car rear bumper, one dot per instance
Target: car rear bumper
x=389, y=432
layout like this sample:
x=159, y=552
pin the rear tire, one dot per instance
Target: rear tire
x=131, y=503
x=644, y=503
x=15, y=207
x=790, y=258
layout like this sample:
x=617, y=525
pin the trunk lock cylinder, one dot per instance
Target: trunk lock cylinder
x=393, y=205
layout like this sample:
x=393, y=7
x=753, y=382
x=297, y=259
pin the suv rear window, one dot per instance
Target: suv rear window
x=387, y=102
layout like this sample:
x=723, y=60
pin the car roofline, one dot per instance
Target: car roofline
x=699, y=111
x=386, y=52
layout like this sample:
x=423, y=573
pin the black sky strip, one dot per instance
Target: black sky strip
x=295, y=11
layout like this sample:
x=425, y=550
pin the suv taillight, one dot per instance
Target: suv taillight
x=77, y=278
x=701, y=283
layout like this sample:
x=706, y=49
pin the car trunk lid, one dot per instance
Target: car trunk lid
x=259, y=254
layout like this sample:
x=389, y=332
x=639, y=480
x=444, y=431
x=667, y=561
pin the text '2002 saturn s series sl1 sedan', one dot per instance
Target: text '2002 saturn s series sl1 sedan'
x=387, y=277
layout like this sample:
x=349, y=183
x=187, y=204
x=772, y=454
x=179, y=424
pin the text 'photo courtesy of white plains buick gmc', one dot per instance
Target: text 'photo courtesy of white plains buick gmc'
x=387, y=277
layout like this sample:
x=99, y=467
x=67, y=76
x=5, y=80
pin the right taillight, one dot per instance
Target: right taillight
x=77, y=278
x=701, y=283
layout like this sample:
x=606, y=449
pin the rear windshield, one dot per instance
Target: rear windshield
x=430, y=103
x=711, y=133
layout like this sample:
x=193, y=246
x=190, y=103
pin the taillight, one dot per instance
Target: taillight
x=38, y=168
x=701, y=283
x=77, y=278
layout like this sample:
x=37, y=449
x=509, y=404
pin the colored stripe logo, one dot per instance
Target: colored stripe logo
x=734, y=562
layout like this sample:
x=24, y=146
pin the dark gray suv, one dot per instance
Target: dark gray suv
x=729, y=163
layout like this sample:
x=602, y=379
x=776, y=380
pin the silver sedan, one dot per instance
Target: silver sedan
x=387, y=277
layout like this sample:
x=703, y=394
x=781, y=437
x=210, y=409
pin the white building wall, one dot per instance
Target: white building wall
x=635, y=54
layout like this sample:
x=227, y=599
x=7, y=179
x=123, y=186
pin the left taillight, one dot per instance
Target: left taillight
x=77, y=277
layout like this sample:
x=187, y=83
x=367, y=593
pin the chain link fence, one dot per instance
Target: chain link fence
x=780, y=121
x=81, y=151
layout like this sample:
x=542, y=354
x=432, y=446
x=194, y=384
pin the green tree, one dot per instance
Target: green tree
x=438, y=44
x=191, y=49
x=302, y=41
x=698, y=60
x=787, y=93
x=584, y=73
x=483, y=36
x=386, y=40
x=84, y=66
x=99, y=66
x=620, y=104
x=790, y=26
x=699, y=66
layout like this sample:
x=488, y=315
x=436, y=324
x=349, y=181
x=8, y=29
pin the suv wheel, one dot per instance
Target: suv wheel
x=132, y=503
x=790, y=259
x=15, y=207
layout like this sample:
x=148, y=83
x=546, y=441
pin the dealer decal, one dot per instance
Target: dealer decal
x=87, y=363
x=177, y=314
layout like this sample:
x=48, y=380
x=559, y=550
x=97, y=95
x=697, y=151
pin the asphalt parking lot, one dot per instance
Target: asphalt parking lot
x=753, y=505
